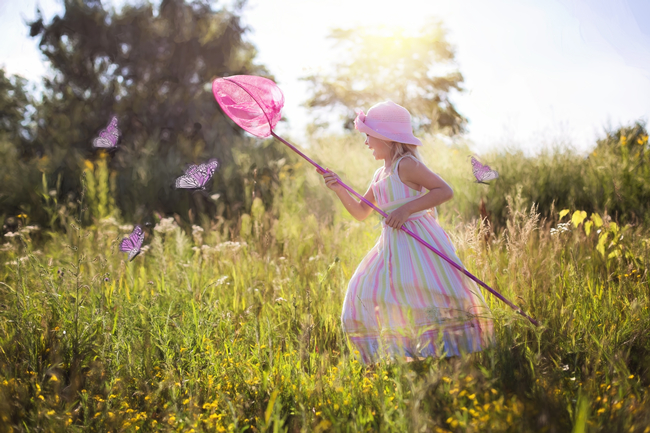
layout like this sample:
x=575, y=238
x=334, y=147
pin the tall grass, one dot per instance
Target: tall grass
x=234, y=326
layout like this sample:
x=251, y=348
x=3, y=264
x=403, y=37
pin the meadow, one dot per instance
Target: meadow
x=233, y=325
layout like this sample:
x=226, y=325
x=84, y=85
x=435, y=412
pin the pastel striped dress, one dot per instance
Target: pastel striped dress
x=403, y=299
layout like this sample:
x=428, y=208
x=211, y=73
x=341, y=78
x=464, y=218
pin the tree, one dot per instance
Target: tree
x=152, y=67
x=414, y=70
x=17, y=175
x=14, y=101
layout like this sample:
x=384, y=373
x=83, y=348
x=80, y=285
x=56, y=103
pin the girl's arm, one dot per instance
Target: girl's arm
x=416, y=173
x=358, y=209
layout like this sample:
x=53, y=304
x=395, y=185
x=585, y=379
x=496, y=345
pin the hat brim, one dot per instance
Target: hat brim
x=361, y=126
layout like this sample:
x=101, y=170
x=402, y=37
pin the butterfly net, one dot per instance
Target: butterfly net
x=253, y=103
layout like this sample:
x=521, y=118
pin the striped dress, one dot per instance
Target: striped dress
x=403, y=299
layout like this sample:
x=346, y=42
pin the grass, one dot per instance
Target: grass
x=234, y=326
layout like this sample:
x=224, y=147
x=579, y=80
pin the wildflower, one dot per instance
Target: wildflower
x=197, y=235
x=109, y=221
x=166, y=225
x=126, y=227
x=561, y=228
x=230, y=246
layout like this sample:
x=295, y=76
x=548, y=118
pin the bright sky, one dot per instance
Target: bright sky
x=536, y=71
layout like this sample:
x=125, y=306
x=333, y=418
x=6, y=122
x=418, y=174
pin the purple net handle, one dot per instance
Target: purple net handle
x=418, y=238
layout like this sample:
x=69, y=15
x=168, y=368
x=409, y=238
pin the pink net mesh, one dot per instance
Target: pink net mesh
x=254, y=103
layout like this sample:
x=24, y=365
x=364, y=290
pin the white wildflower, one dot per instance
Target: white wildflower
x=221, y=280
x=561, y=228
x=11, y=234
x=7, y=247
x=126, y=228
x=230, y=246
x=197, y=235
x=166, y=225
x=215, y=197
x=28, y=229
x=108, y=221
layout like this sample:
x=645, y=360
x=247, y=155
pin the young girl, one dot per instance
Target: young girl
x=404, y=300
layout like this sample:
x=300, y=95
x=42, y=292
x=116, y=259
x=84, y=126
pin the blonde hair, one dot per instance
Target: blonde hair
x=402, y=149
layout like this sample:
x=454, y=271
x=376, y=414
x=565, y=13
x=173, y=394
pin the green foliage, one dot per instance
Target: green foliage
x=214, y=334
x=151, y=66
x=620, y=165
x=413, y=69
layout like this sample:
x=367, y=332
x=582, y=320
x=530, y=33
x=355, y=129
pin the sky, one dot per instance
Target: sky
x=536, y=72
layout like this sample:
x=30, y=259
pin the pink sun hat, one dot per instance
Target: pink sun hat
x=387, y=121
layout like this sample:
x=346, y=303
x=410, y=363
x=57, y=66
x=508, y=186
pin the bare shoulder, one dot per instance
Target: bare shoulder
x=410, y=168
x=416, y=172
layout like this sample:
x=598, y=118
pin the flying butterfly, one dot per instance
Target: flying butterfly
x=197, y=176
x=108, y=137
x=483, y=173
x=133, y=243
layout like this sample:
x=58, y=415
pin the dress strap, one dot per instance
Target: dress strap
x=396, y=164
x=376, y=175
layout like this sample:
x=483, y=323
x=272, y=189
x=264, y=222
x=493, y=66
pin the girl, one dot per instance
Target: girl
x=404, y=300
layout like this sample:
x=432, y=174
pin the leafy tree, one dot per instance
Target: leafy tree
x=414, y=70
x=16, y=174
x=14, y=101
x=152, y=67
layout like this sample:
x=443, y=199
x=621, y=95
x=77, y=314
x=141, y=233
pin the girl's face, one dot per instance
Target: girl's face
x=380, y=149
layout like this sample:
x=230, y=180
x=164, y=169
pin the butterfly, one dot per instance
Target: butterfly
x=197, y=175
x=483, y=173
x=133, y=243
x=108, y=137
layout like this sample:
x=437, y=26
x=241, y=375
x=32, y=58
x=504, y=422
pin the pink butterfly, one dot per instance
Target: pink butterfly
x=133, y=243
x=483, y=173
x=197, y=175
x=108, y=137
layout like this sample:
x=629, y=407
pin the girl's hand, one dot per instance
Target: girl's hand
x=398, y=217
x=332, y=180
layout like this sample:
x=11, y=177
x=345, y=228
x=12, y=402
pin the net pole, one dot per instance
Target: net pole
x=418, y=238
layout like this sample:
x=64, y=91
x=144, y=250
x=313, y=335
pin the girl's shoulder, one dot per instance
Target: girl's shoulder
x=409, y=162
